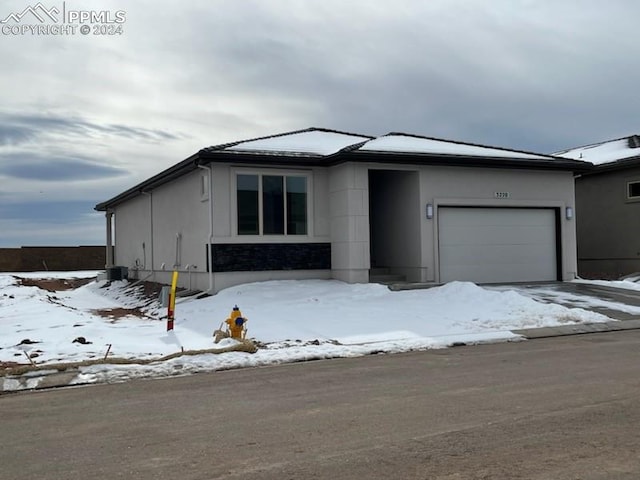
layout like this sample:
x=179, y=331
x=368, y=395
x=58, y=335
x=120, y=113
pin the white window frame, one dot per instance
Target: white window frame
x=270, y=172
x=627, y=193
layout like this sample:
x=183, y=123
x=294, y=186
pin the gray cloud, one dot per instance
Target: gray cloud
x=48, y=212
x=528, y=75
x=16, y=134
x=532, y=75
x=21, y=128
x=33, y=166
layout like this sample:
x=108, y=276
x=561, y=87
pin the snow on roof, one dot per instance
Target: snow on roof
x=410, y=144
x=604, y=152
x=314, y=142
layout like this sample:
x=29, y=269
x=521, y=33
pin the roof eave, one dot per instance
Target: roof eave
x=262, y=158
x=552, y=163
x=623, y=164
x=288, y=159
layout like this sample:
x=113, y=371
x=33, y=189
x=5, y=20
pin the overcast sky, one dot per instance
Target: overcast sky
x=84, y=117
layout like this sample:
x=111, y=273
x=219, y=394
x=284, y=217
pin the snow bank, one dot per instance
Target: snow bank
x=292, y=320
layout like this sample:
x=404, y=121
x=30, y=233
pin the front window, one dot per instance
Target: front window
x=248, y=205
x=272, y=204
x=296, y=205
x=633, y=190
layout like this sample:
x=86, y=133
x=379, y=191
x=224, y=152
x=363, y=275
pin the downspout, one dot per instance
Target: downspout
x=151, y=229
x=210, y=238
x=109, y=252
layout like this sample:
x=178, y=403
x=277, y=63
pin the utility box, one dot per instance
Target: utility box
x=117, y=273
x=164, y=296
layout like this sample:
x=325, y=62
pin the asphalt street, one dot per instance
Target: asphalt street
x=556, y=408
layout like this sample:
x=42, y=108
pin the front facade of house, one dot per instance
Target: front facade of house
x=608, y=202
x=325, y=204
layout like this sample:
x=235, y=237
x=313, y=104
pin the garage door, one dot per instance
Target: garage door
x=486, y=245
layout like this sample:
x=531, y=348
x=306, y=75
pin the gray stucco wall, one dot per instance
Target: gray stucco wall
x=456, y=186
x=171, y=210
x=179, y=209
x=132, y=225
x=224, y=221
x=439, y=186
x=608, y=225
x=338, y=208
x=349, y=214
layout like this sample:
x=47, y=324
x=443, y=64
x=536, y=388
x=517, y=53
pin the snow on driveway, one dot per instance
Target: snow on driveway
x=291, y=320
x=572, y=294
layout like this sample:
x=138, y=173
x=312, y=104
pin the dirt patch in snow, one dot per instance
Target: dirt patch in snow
x=148, y=293
x=54, y=284
x=116, y=313
x=151, y=290
x=10, y=365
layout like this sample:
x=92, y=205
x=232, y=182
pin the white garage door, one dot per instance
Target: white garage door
x=486, y=245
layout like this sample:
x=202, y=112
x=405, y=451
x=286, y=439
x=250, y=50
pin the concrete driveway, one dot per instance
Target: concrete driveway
x=621, y=305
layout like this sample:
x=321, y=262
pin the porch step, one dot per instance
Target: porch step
x=187, y=293
x=379, y=271
x=386, y=278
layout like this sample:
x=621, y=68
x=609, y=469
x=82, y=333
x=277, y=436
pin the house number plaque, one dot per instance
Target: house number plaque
x=502, y=194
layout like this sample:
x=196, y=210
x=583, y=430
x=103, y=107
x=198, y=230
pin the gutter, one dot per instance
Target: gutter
x=454, y=160
x=612, y=166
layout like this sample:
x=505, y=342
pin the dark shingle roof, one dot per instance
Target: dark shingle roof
x=616, y=154
x=313, y=147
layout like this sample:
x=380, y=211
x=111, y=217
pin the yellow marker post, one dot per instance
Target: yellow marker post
x=172, y=301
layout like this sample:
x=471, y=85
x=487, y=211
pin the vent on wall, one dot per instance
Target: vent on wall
x=634, y=141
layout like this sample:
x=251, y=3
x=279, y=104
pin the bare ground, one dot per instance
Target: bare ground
x=148, y=292
x=54, y=284
x=115, y=314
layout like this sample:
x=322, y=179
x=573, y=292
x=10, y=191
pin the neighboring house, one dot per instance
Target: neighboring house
x=319, y=203
x=608, y=205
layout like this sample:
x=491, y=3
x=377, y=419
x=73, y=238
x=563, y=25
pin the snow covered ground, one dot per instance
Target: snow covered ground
x=291, y=320
x=632, y=282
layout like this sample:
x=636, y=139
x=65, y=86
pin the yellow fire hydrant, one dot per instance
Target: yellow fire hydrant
x=236, y=324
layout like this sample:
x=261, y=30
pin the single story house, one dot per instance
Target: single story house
x=608, y=205
x=320, y=203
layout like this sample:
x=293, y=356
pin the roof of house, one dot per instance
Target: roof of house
x=324, y=147
x=415, y=144
x=305, y=142
x=608, y=155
